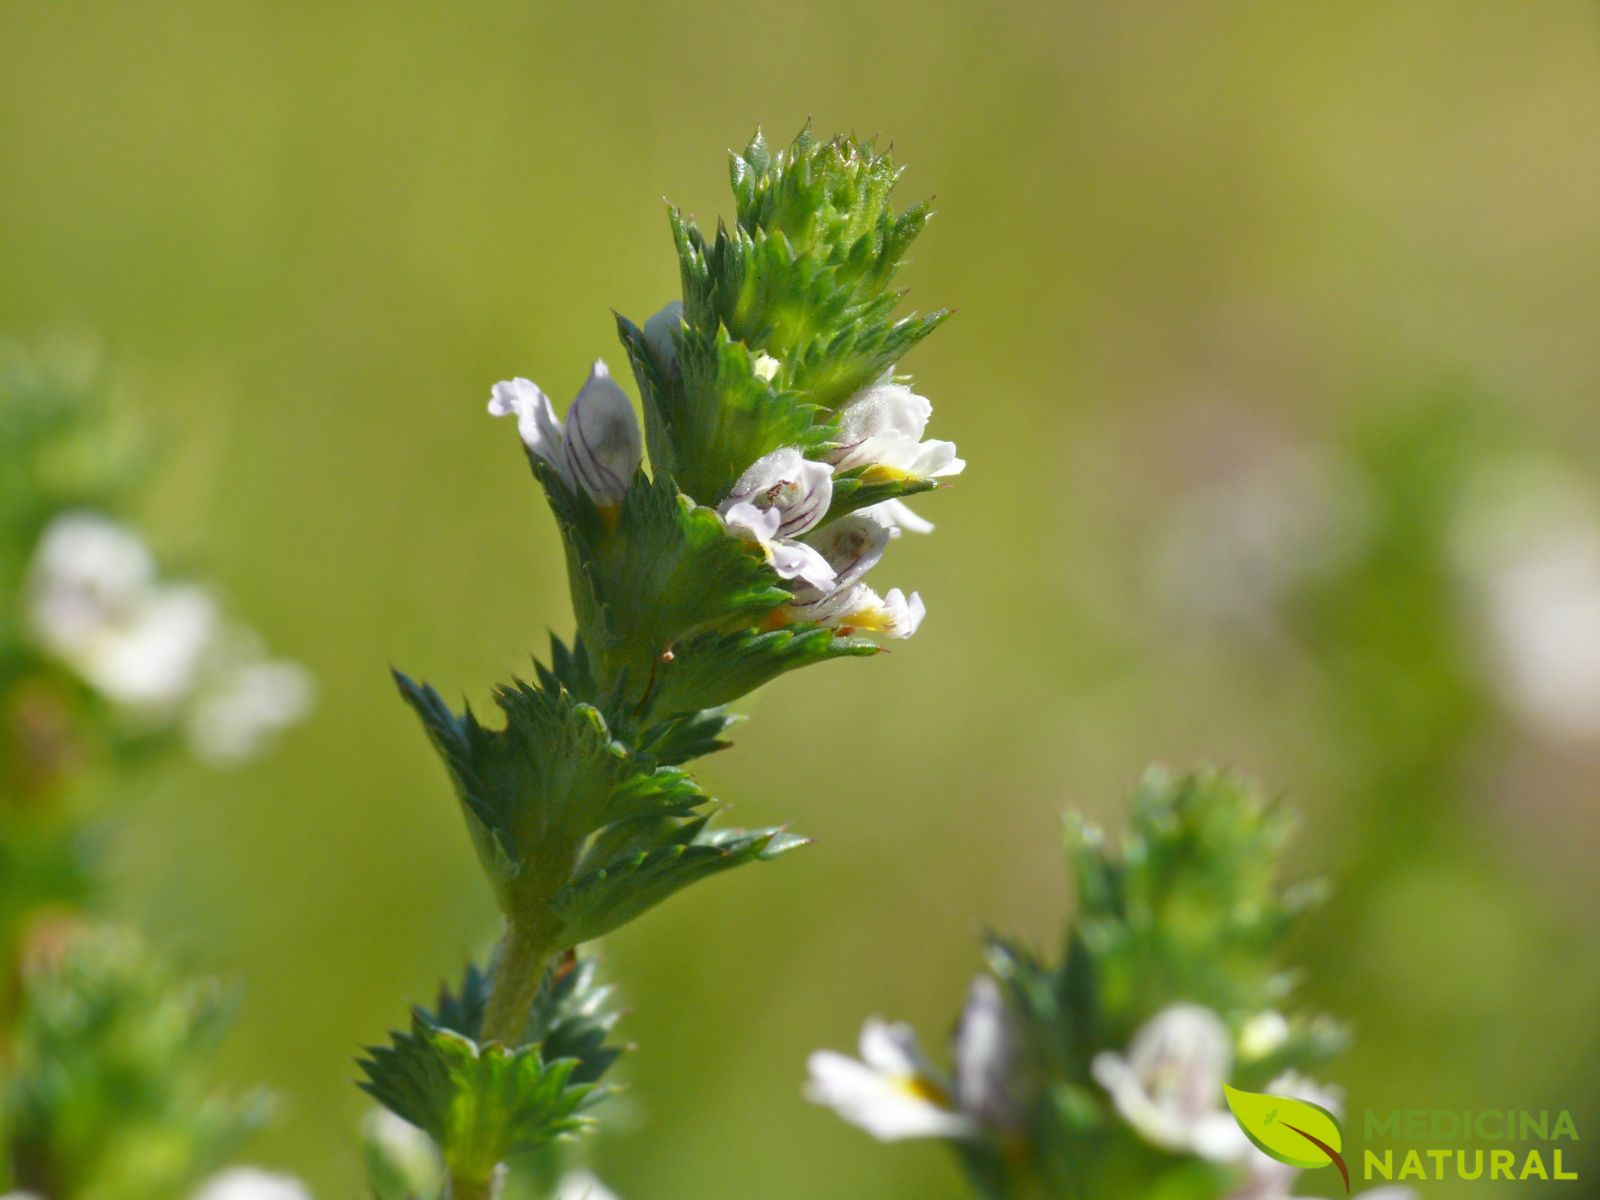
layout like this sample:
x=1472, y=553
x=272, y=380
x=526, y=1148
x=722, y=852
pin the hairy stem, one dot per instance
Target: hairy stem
x=519, y=969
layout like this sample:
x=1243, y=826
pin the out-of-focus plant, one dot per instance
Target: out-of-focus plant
x=1430, y=577
x=1103, y=1074
x=106, y=668
x=781, y=446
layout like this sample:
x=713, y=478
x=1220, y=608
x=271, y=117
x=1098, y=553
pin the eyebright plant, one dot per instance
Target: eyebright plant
x=782, y=445
x=1104, y=1075
x=108, y=668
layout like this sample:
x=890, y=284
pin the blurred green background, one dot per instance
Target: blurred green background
x=1200, y=252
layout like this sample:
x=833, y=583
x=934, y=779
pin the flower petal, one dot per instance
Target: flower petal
x=890, y=1105
x=898, y=516
x=785, y=480
x=884, y=407
x=796, y=560
x=89, y=575
x=988, y=1059
x=536, y=421
x=892, y=1048
x=602, y=446
x=935, y=460
x=852, y=545
x=154, y=660
x=751, y=523
x=883, y=426
x=1169, y=1087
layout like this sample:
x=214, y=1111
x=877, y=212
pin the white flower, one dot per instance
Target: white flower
x=248, y=1183
x=660, y=331
x=94, y=602
x=1528, y=540
x=989, y=1060
x=862, y=610
x=537, y=425
x=882, y=426
x=599, y=447
x=781, y=496
x=892, y=1093
x=581, y=1185
x=161, y=650
x=1169, y=1086
x=246, y=706
x=851, y=546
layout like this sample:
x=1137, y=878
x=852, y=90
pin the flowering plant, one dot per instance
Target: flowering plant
x=1104, y=1074
x=781, y=446
x=107, y=668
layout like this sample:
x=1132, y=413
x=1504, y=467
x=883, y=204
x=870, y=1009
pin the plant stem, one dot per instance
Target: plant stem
x=518, y=972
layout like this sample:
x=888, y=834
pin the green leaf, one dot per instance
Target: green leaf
x=481, y=1104
x=717, y=668
x=730, y=416
x=607, y=896
x=1287, y=1129
x=672, y=571
x=689, y=735
x=533, y=790
x=861, y=486
x=569, y=1019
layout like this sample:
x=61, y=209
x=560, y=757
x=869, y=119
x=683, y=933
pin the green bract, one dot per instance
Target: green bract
x=802, y=276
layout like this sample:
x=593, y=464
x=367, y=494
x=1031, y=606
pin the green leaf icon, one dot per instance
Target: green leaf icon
x=1292, y=1131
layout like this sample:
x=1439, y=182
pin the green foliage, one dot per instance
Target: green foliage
x=569, y=1018
x=110, y=1097
x=660, y=860
x=43, y=867
x=58, y=454
x=576, y=832
x=483, y=1103
x=802, y=276
x=716, y=668
x=578, y=804
x=1188, y=907
x=1182, y=919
